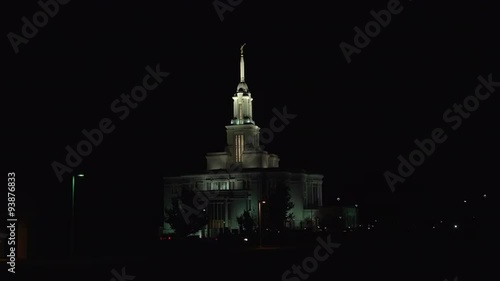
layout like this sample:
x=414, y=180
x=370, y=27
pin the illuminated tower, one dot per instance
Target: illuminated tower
x=242, y=134
x=243, y=145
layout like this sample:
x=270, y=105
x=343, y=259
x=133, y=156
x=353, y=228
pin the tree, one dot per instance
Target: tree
x=279, y=207
x=184, y=217
x=246, y=222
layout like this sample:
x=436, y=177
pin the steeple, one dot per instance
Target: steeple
x=242, y=86
x=242, y=64
x=242, y=135
x=242, y=100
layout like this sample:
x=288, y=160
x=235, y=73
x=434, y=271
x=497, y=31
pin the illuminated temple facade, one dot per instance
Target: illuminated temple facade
x=243, y=174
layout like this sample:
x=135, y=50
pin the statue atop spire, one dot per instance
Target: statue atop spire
x=241, y=48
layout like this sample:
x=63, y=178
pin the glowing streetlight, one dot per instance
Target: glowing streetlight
x=73, y=212
x=260, y=221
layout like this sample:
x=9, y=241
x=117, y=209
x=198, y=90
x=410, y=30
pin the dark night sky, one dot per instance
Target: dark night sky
x=353, y=120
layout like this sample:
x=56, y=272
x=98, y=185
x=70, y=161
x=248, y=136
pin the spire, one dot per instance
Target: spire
x=242, y=86
x=242, y=64
x=242, y=99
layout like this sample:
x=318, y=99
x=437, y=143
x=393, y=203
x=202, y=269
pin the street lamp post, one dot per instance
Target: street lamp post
x=260, y=222
x=72, y=245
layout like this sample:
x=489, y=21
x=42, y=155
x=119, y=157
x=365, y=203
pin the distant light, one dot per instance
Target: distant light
x=356, y=205
x=375, y=220
x=81, y=175
x=455, y=226
x=465, y=201
x=245, y=239
x=441, y=221
x=169, y=238
x=264, y=202
x=204, y=210
x=338, y=198
x=340, y=217
x=368, y=228
x=484, y=195
x=433, y=227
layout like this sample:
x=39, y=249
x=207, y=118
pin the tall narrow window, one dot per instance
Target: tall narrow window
x=240, y=115
x=239, y=146
x=224, y=185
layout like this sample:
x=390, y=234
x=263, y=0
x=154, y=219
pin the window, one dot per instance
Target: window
x=238, y=148
x=312, y=195
x=224, y=185
x=216, y=214
x=219, y=185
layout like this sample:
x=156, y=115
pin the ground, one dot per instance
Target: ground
x=361, y=256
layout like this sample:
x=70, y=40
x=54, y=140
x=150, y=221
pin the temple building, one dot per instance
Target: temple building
x=244, y=176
